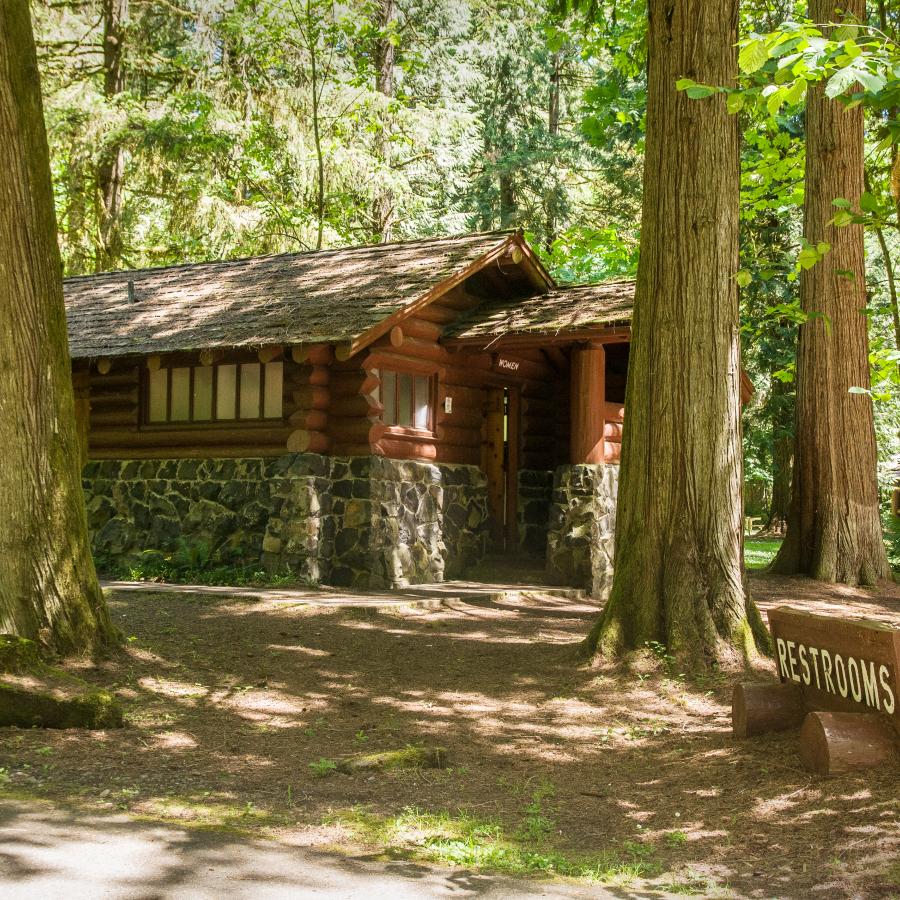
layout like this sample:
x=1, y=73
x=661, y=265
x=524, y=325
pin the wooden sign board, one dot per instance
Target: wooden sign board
x=844, y=665
x=505, y=364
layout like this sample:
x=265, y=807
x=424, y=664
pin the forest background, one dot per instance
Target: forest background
x=188, y=130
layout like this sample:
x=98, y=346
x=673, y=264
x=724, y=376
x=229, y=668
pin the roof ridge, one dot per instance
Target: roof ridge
x=292, y=254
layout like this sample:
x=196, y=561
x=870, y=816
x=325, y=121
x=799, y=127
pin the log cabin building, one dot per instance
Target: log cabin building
x=374, y=416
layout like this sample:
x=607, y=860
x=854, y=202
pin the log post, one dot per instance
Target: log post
x=832, y=743
x=760, y=707
x=587, y=397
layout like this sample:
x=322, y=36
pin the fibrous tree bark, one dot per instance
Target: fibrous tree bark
x=678, y=568
x=48, y=586
x=834, y=527
x=111, y=167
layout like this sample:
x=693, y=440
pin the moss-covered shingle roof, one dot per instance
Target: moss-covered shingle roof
x=320, y=296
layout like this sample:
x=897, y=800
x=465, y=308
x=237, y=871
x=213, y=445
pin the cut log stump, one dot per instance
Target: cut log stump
x=759, y=707
x=407, y=758
x=832, y=743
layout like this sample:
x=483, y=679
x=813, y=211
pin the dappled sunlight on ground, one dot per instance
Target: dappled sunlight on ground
x=237, y=704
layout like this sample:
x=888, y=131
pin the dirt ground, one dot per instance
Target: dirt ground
x=238, y=705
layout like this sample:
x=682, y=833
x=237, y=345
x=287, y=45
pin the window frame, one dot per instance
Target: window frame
x=175, y=362
x=411, y=430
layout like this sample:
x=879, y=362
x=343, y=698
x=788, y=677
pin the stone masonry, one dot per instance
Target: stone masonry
x=581, y=536
x=366, y=522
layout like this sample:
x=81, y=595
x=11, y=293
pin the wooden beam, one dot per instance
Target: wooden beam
x=270, y=353
x=104, y=365
x=587, y=399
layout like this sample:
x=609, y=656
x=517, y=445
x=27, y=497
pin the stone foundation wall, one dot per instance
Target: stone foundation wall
x=535, y=499
x=581, y=536
x=368, y=522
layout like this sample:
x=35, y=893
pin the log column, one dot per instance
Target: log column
x=587, y=397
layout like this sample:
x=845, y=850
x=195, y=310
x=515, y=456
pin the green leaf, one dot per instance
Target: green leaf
x=743, y=278
x=868, y=203
x=858, y=390
x=842, y=218
x=841, y=203
x=734, y=102
x=699, y=91
x=823, y=247
x=753, y=57
x=840, y=81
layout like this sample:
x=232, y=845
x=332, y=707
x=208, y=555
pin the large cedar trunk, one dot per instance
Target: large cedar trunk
x=111, y=168
x=48, y=587
x=834, y=528
x=678, y=576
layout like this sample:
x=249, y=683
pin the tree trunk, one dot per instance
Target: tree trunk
x=834, y=527
x=678, y=575
x=551, y=201
x=383, y=207
x=507, y=200
x=48, y=587
x=782, y=455
x=111, y=169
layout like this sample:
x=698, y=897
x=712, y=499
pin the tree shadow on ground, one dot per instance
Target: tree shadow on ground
x=233, y=702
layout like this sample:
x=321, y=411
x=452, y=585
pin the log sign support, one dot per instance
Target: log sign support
x=838, y=679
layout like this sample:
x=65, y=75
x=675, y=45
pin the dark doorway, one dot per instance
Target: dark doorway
x=501, y=464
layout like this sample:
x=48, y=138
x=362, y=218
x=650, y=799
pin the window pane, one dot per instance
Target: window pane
x=159, y=383
x=423, y=401
x=389, y=397
x=226, y=385
x=181, y=394
x=249, y=404
x=404, y=388
x=274, y=377
x=203, y=393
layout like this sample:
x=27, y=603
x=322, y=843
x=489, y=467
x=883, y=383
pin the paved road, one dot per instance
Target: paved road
x=48, y=853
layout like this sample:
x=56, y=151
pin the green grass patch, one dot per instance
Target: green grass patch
x=759, y=552
x=466, y=840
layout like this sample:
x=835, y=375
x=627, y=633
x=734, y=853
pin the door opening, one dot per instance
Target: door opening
x=501, y=464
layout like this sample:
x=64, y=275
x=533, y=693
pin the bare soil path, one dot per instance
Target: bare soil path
x=238, y=704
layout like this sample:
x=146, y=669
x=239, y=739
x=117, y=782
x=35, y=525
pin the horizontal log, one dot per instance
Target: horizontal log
x=343, y=351
x=223, y=452
x=104, y=365
x=304, y=441
x=612, y=452
x=207, y=357
x=380, y=358
x=311, y=397
x=118, y=378
x=125, y=416
x=269, y=353
x=460, y=456
x=355, y=406
x=414, y=327
x=463, y=437
x=355, y=387
x=318, y=354
x=613, y=412
x=438, y=314
x=760, y=707
x=461, y=417
x=833, y=743
x=306, y=374
x=395, y=336
x=128, y=397
x=612, y=431
x=355, y=431
x=185, y=437
x=311, y=419
x=469, y=397
x=412, y=349
x=403, y=448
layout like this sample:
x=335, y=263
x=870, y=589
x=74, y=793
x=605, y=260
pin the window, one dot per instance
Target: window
x=221, y=393
x=406, y=399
